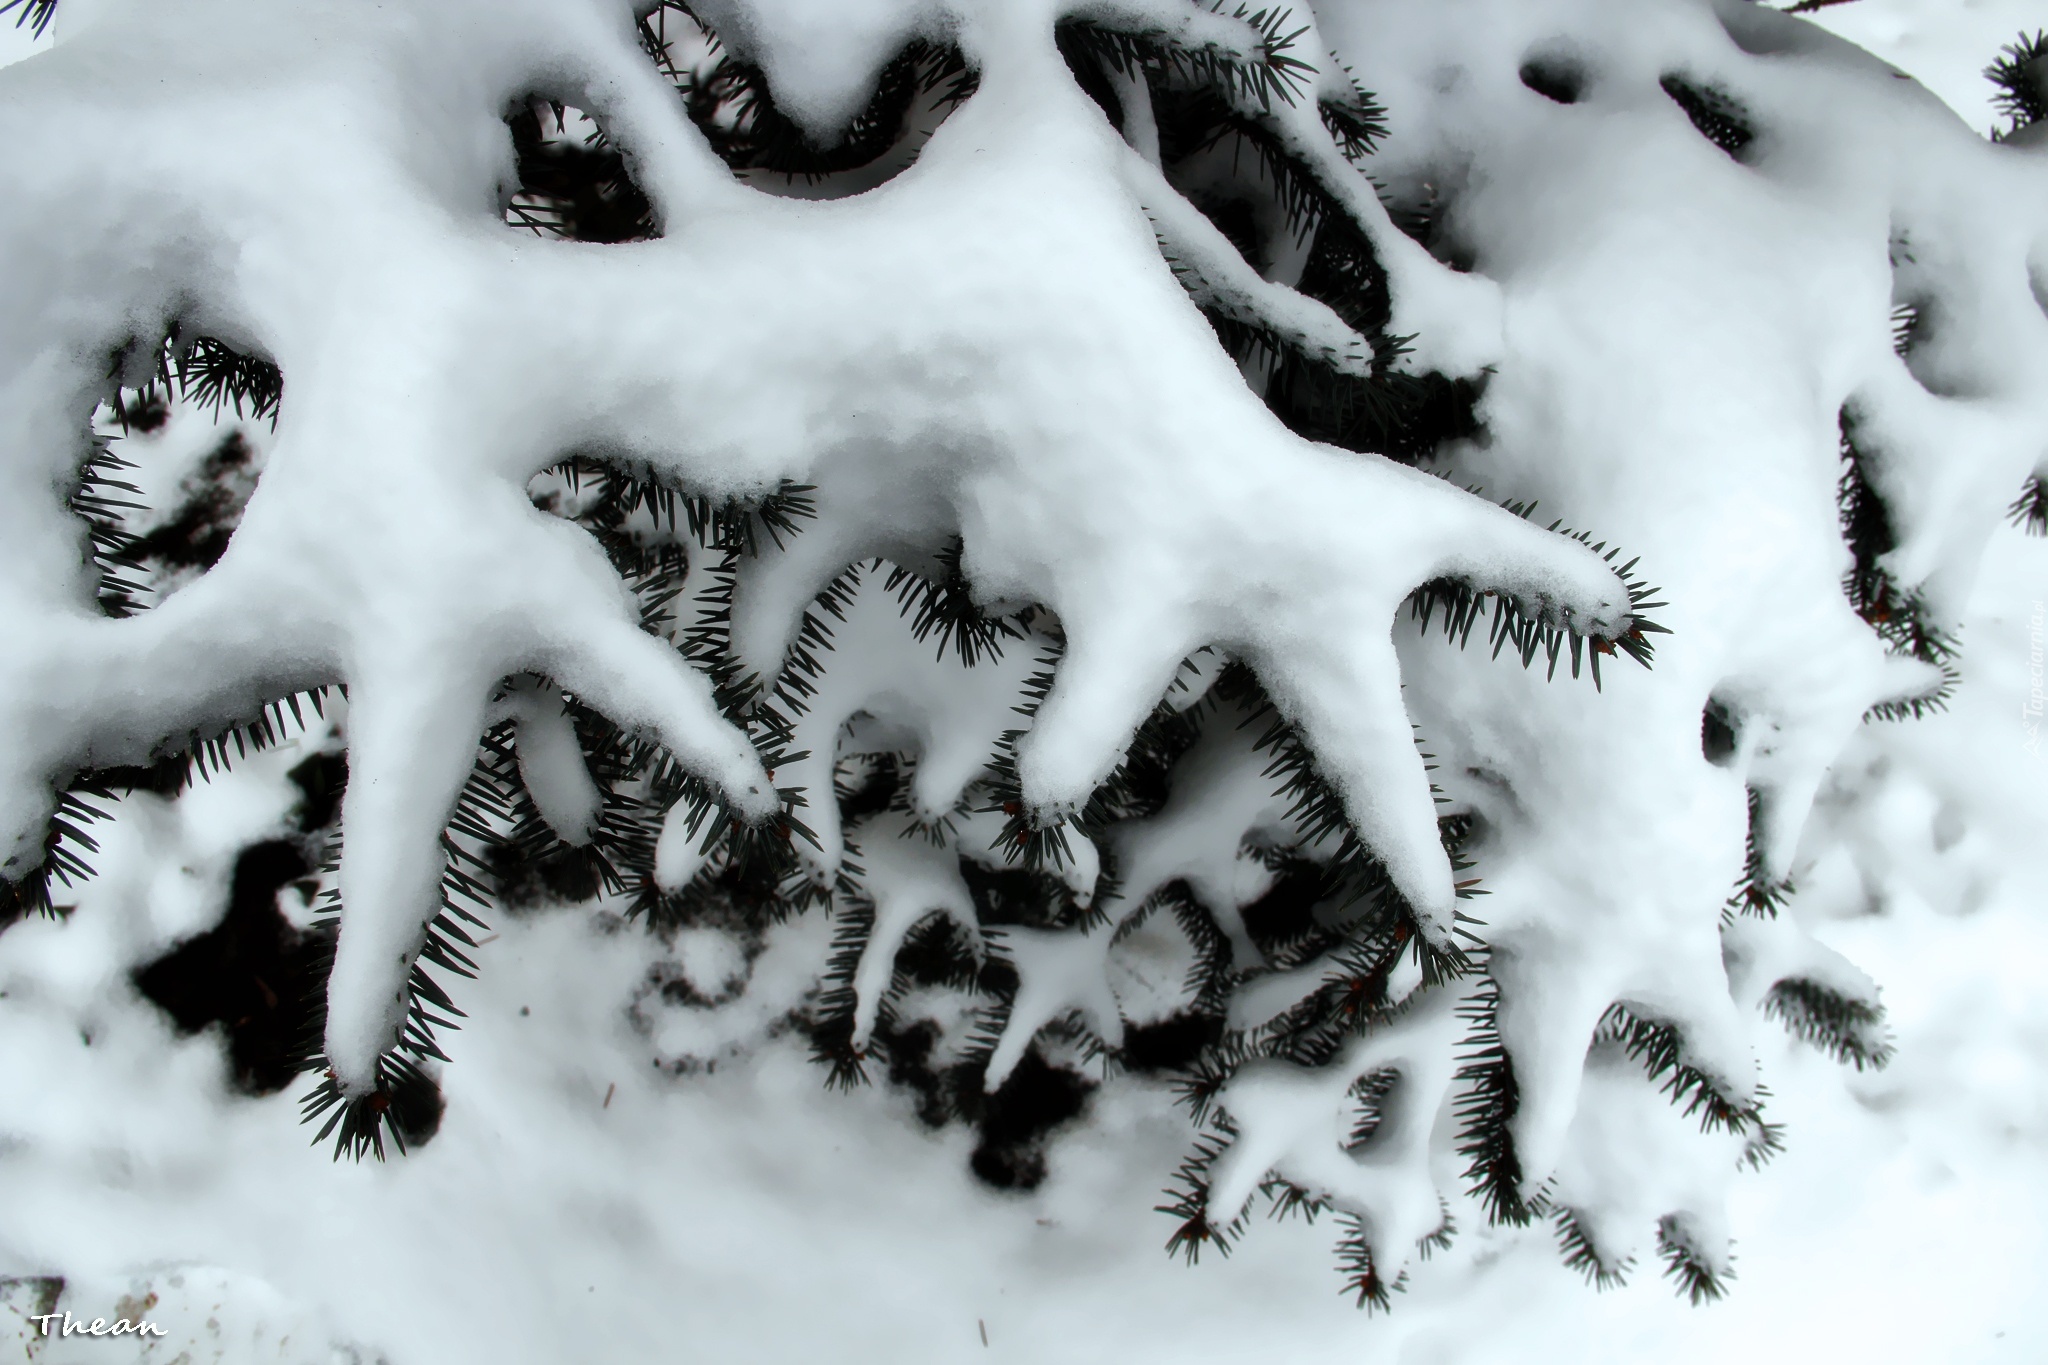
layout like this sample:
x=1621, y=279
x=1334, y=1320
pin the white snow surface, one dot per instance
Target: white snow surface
x=748, y=1213
x=1671, y=333
x=1052, y=393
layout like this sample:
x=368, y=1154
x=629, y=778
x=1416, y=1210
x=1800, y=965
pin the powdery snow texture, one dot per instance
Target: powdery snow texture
x=994, y=332
x=992, y=344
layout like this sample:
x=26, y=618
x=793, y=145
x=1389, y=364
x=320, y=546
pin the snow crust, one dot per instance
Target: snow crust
x=992, y=345
x=740, y=1209
x=1683, y=329
x=1052, y=391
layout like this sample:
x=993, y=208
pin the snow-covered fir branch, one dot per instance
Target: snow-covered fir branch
x=1390, y=510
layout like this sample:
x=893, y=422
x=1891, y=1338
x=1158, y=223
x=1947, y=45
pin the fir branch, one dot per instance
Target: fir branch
x=100, y=499
x=1901, y=619
x=747, y=526
x=1537, y=628
x=211, y=374
x=1755, y=892
x=578, y=191
x=805, y=664
x=1357, y=888
x=1201, y=1085
x=1350, y=1000
x=1720, y=118
x=1764, y=1141
x=1576, y=1245
x=530, y=859
x=2029, y=511
x=1319, y=396
x=1208, y=980
x=1269, y=74
x=1361, y=1277
x=1909, y=321
x=729, y=100
x=405, y=1093
x=2021, y=75
x=1354, y=120
x=1188, y=1198
x=1659, y=1049
x=640, y=515
x=1289, y=1200
x=1026, y=840
x=1696, y=1277
x=945, y=606
x=65, y=857
x=404, y=1096
x=217, y=749
x=35, y=15
x=832, y=1033
x=1441, y=1238
x=1486, y=1112
x=1849, y=1030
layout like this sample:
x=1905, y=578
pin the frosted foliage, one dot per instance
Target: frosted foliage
x=1062, y=404
x=1070, y=611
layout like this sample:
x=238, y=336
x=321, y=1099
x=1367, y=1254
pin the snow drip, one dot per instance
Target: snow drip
x=1018, y=477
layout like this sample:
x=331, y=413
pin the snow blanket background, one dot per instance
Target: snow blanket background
x=581, y=1202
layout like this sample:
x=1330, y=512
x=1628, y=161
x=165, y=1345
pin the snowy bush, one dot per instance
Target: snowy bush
x=1143, y=514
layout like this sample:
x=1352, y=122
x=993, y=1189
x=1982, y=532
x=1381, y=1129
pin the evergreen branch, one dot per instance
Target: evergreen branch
x=1575, y=1244
x=1909, y=321
x=730, y=102
x=35, y=15
x=1289, y=1200
x=1850, y=1030
x=405, y=1102
x=1755, y=892
x=1188, y=1198
x=2029, y=511
x=211, y=374
x=1683, y=1262
x=1659, y=1049
x=1315, y=392
x=570, y=190
x=1901, y=619
x=2021, y=77
x=945, y=606
x=1486, y=1112
x=530, y=860
x=216, y=750
x=1720, y=118
x=1208, y=980
x=1538, y=628
x=98, y=500
x=804, y=666
x=1025, y=840
x=1354, y=120
x=1356, y=886
x=1361, y=1277
x=1270, y=74
x=1439, y=1240
x=403, y=1098
x=832, y=1033
x=1348, y=1002
x=66, y=850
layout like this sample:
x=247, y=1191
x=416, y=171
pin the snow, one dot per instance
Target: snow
x=1115, y=502
x=676, y=1156
x=740, y=1212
